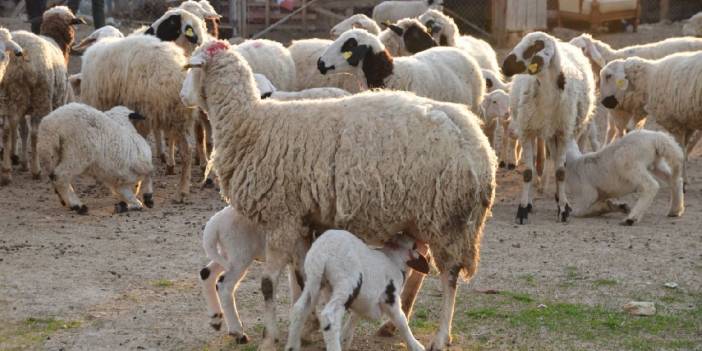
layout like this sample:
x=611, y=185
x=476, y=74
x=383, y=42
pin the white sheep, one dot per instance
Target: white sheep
x=495, y=111
x=442, y=200
x=406, y=37
x=393, y=11
x=77, y=139
x=693, y=26
x=668, y=90
x=206, y=12
x=349, y=275
x=443, y=74
x=629, y=165
x=35, y=84
x=553, y=102
x=95, y=36
x=271, y=59
x=306, y=53
x=445, y=32
x=358, y=20
x=7, y=45
x=186, y=29
x=144, y=74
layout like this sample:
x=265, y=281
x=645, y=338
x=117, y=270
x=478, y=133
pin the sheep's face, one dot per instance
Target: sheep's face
x=348, y=51
x=613, y=83
x=435, y=4
x=7, y=45
x=533, y=53
x=585, y=44
x=406, y=247
x=436, y=25
x=495, y=105
x=192, y=93
x=97, y=35
x=125, y=117
x=265, y=87
x=176, y=24
x=407, y=37
x=356, y=21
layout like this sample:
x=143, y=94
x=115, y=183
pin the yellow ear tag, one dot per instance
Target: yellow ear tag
x=429, y=30
x=189, y=32
x=533, y=68
x=620, y=83
x=346, y=54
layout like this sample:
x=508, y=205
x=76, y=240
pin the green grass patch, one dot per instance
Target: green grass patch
x=604, y=282
x=162, y=283
x=420, y=321
x=32, y=332
x=521, y=297
x=529, y=279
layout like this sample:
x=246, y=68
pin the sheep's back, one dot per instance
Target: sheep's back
x=675, y=91
x=271, y=59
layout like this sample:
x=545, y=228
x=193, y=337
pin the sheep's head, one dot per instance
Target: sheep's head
x=356, y=21
x=192, y=93
x=180, y=26
x=125, y=116
x=8, y=45
x=354, y=50
x=57, y=24
x=693, y=26
x=441, y=27
x=532, y=54
x=406, y=37
x=495, y=105
x=614, y=83
x=97, y=35
x=585, y=43
x=405, y=248
x=435, y=4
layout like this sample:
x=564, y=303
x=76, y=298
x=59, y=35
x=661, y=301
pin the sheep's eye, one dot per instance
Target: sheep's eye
x=608, y=76
x=349, y=45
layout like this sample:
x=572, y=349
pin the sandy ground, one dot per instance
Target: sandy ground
x=125, y=282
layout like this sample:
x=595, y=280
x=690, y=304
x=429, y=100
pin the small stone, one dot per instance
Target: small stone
x=671, y=285
x=640, y=308
x=541, y=306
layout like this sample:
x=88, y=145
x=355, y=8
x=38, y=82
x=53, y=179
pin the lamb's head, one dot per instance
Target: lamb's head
x=356, y=21
x=180, y=26
x=8, y=45
x=97, y=35
x=124, y=116
x=586, y=44
x=355, y=50
x=494, y=106
x=441, y=27
x=406, y=37
x=533, y=54
x=192, y=94
x=402, y=249
x=615, y=81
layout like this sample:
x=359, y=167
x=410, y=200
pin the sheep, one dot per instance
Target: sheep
x=354, y=277
x=206, y=12
x=554, y=102
x=7, y=45
x=445, y=32
x=631, y=164
x=305, y=54
x=358, y=20
x=144, y=74
x=100, y=33
x=393, y=11
x=443, y=74
x=77, y=139
x=35, y=85
x=495, y=110
x=493, y=81
x=183, y=27
x=668, y=90
x=271, y=59
x=693, y=26
x=406, y=37
x=442, y=200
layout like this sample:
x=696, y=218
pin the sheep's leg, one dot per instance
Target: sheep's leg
x=208, y=282
x=67, y=195
x=158, y=136
x=171, y=141
x=682, y=137
x=648, y=187
x=275, y=263
x=34, y=133
x=512, y=153
x=540, y=162
x=490, y=132
x=677, y=196
x=525, y=204
x=331, y=317
x=449, y=281
x=592, y=134
x=226, y=289
x=301, y=310
x=348, y=330
x=9, y=128
x=147, y=190
x=24, y=143
x=14, y=156
x=186, y=160
x=558, y=151
x=394, y=312
x=693, y=140
x=129, y=200
x=504, y=148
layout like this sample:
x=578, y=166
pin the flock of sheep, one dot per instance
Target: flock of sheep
x=388, y=130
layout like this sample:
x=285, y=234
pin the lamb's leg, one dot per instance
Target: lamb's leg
x=186, y=160
x=392, y=309
x=129, y=200
x=147, y=190
x=208, y=281
x=490, y=132
x=648, y=187
x=66, y=194
x=348, y=330
x=332, y=315
x=449, y=281
x=592, y=133
x=512, y=153
x=525, y=205
x=226, y=289
x=301, y=310
x=34, y=133
x=677, y=196
x=682, y=137
x=170, y=155
x=558, y=154
x=540, y=163
x=9, y=126
x=275, y=263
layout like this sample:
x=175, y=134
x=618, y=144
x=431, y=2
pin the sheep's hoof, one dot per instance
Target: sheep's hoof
x=624, y=208
x=240, y=339
x=628, y=222
x=216, y=326
x=511, y=166
x=502, y=164
x=563, y=216
x=170, y=170
x=523, y=215
x=149, y=200
x=80, y=209
x=121, y=207
x=209, y=183
x=387, y=330
x=15, y=160
x=530, y=208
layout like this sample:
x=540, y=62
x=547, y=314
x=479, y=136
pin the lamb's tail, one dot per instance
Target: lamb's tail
x=210, y=240
x=668, y=150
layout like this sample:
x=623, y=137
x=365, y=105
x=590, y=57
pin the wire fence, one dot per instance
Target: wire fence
x=679, y=10
x=477, y=12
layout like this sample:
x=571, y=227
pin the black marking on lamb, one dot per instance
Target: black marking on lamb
x=561, y=81
x=221, y=279
x=327, y=327
x=610, y=102
x=300, y=280
x=511, y=66
x=121, y=207
x=417, y=39
x=204, y=273
x=390, y=293
x=136, y=116
x=560, y=174
x=267, y=288
x=377, y=67
x=534, y=48
x=354, y=293
x=527, y=175
x=264, y=96
x=358, y=52
x=398, y=30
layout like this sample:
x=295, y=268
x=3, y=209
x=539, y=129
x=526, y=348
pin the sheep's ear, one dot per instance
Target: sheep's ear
x=357, y=55
x=595, y=54
x=190, y=34
x=78, y=20
x=398, y=30
x=150, y=31
x=135, y=116
x=417, y=40
x=419, y=264
x=169, y=29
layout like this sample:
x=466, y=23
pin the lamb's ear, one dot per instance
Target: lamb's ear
x=595, y=54
x=419, y=264
x=170, y=28
x=417, y=40
x=136, y=116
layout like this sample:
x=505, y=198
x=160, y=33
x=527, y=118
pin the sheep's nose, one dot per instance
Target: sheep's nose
x=19, y=53
x=610, y=102
x=323, y=69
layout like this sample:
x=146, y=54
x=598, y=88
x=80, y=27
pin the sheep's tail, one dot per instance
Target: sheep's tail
x=210, y=240
x=668, y=150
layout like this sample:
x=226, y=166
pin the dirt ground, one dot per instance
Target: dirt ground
x=126, y=282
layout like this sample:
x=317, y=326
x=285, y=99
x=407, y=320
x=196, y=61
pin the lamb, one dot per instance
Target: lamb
x=180, y=26
x=445, y=32
x=358, y=20
x=667, y=88
x=493, y=81
x=495, y=110
x=7, y=45
x=553, y=102
x=113, y=73
x=354, y=277
x=631, y=164
x=77, y=139
x=443, y=74
x=442, y=200
x=305, y=54
x=100, y=33
x=406, y=37
x=693, y=26
x=393, y=11
x=35, y=85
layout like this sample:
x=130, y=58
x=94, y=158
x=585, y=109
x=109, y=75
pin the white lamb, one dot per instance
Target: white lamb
x=693, y=26
x=306, y=53
x=354, y=277
x=495, y=110
x=554, y=102
x=393, y=11
x=77, y=139
x=668, y=89
x=97, y=35
x=629, y=165
x=445, y=32
x=442, y=74
x=358, y=20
